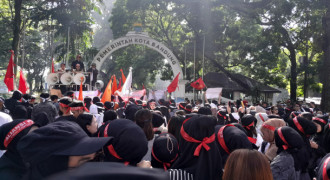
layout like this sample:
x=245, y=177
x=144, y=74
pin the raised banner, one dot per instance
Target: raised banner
x=87, y=93
x=213, y=93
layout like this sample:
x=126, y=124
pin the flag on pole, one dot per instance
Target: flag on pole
x=123, y=76
x=22, y=83
x=9, y=78
x=81, y=97
x=114, y=85
x=119, y=86
x=198, y=84
x=174, y=84
x=107, y=92
x=125, y=89
x=53, y=68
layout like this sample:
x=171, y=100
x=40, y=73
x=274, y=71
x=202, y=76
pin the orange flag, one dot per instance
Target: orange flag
x=174, y=84
x=123, y=76
x=114, y=85
x=81, y=97
x=107, y=92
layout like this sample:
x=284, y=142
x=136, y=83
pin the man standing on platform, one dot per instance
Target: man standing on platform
x=92, y=76
x=78, y=61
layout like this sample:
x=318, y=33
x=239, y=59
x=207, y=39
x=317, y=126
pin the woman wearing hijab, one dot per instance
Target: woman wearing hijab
x=174, y=126
x=305, y=128
x=129, y=143
x=230, y=138
x=316, y=141
x=323, y=169
x=290, y=155
x=165, y=151
x=267, y=130
x=64, y=103
x=249, y=123
x=199, y=155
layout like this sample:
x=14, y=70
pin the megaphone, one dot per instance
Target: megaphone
x=52, y=78
x=78, y=78
x=99, y=84
x=66, y=79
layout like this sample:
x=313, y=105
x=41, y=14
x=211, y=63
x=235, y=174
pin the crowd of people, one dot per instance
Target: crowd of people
x=64, y=138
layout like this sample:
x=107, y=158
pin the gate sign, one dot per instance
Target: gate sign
x=140, y=39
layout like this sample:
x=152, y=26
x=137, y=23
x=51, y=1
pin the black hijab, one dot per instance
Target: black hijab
x=129, y=144
x=287, y=139
x=230, y=138
x=203, y=160
x=165, y=151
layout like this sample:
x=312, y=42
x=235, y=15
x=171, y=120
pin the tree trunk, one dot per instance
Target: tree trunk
x=16, y=31
x=293, y=74
x=325, y=102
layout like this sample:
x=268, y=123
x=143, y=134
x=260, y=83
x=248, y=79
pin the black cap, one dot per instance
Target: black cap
x=58, y=138
x=111, y=170
x=23, y=126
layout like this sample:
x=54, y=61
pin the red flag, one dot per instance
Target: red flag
x=119, y=86
x=53, y=68
x=9, y=78
x=174, y=84
x=114, y=85
x=123, y=76
x=81, y=97
x=22, y=83
x=198, y=84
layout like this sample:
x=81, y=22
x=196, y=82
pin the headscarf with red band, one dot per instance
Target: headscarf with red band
x=129, y=145
x=288, y=139
x=199, y=154
x=303, y=126
x=322, y=120
x=230, y=138
x=323, y=171
x=267, y=129
x=78, y=105
x=222, y=117
x=165, y=151
x=248, y=122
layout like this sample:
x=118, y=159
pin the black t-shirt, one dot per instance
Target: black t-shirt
x=66, y=118
x=73, y=64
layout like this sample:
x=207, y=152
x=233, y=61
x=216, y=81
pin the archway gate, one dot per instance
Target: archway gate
x=142, y=38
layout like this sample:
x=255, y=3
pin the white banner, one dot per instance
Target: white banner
x=213, y=93
x=158, y=94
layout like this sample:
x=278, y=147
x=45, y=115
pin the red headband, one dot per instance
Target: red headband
x=185, y=108
x=262, y=118
x=221, y=139
x=111, y=149
x=166, y=165
x=65, y=106
x=296, y=123
x=203, y=143
x=224, y=117
x=320, y=120
x=324, y=172
x=249, y=126
x=272, y=128
x=279, y=132
x=79, y=108
x=17, y=129
x=252, y=140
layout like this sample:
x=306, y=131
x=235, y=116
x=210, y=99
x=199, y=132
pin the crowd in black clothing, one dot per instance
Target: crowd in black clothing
x=160, y=139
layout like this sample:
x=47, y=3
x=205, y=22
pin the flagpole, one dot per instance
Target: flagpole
x=203, y=66
x=68, y=48
x=194, y=66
